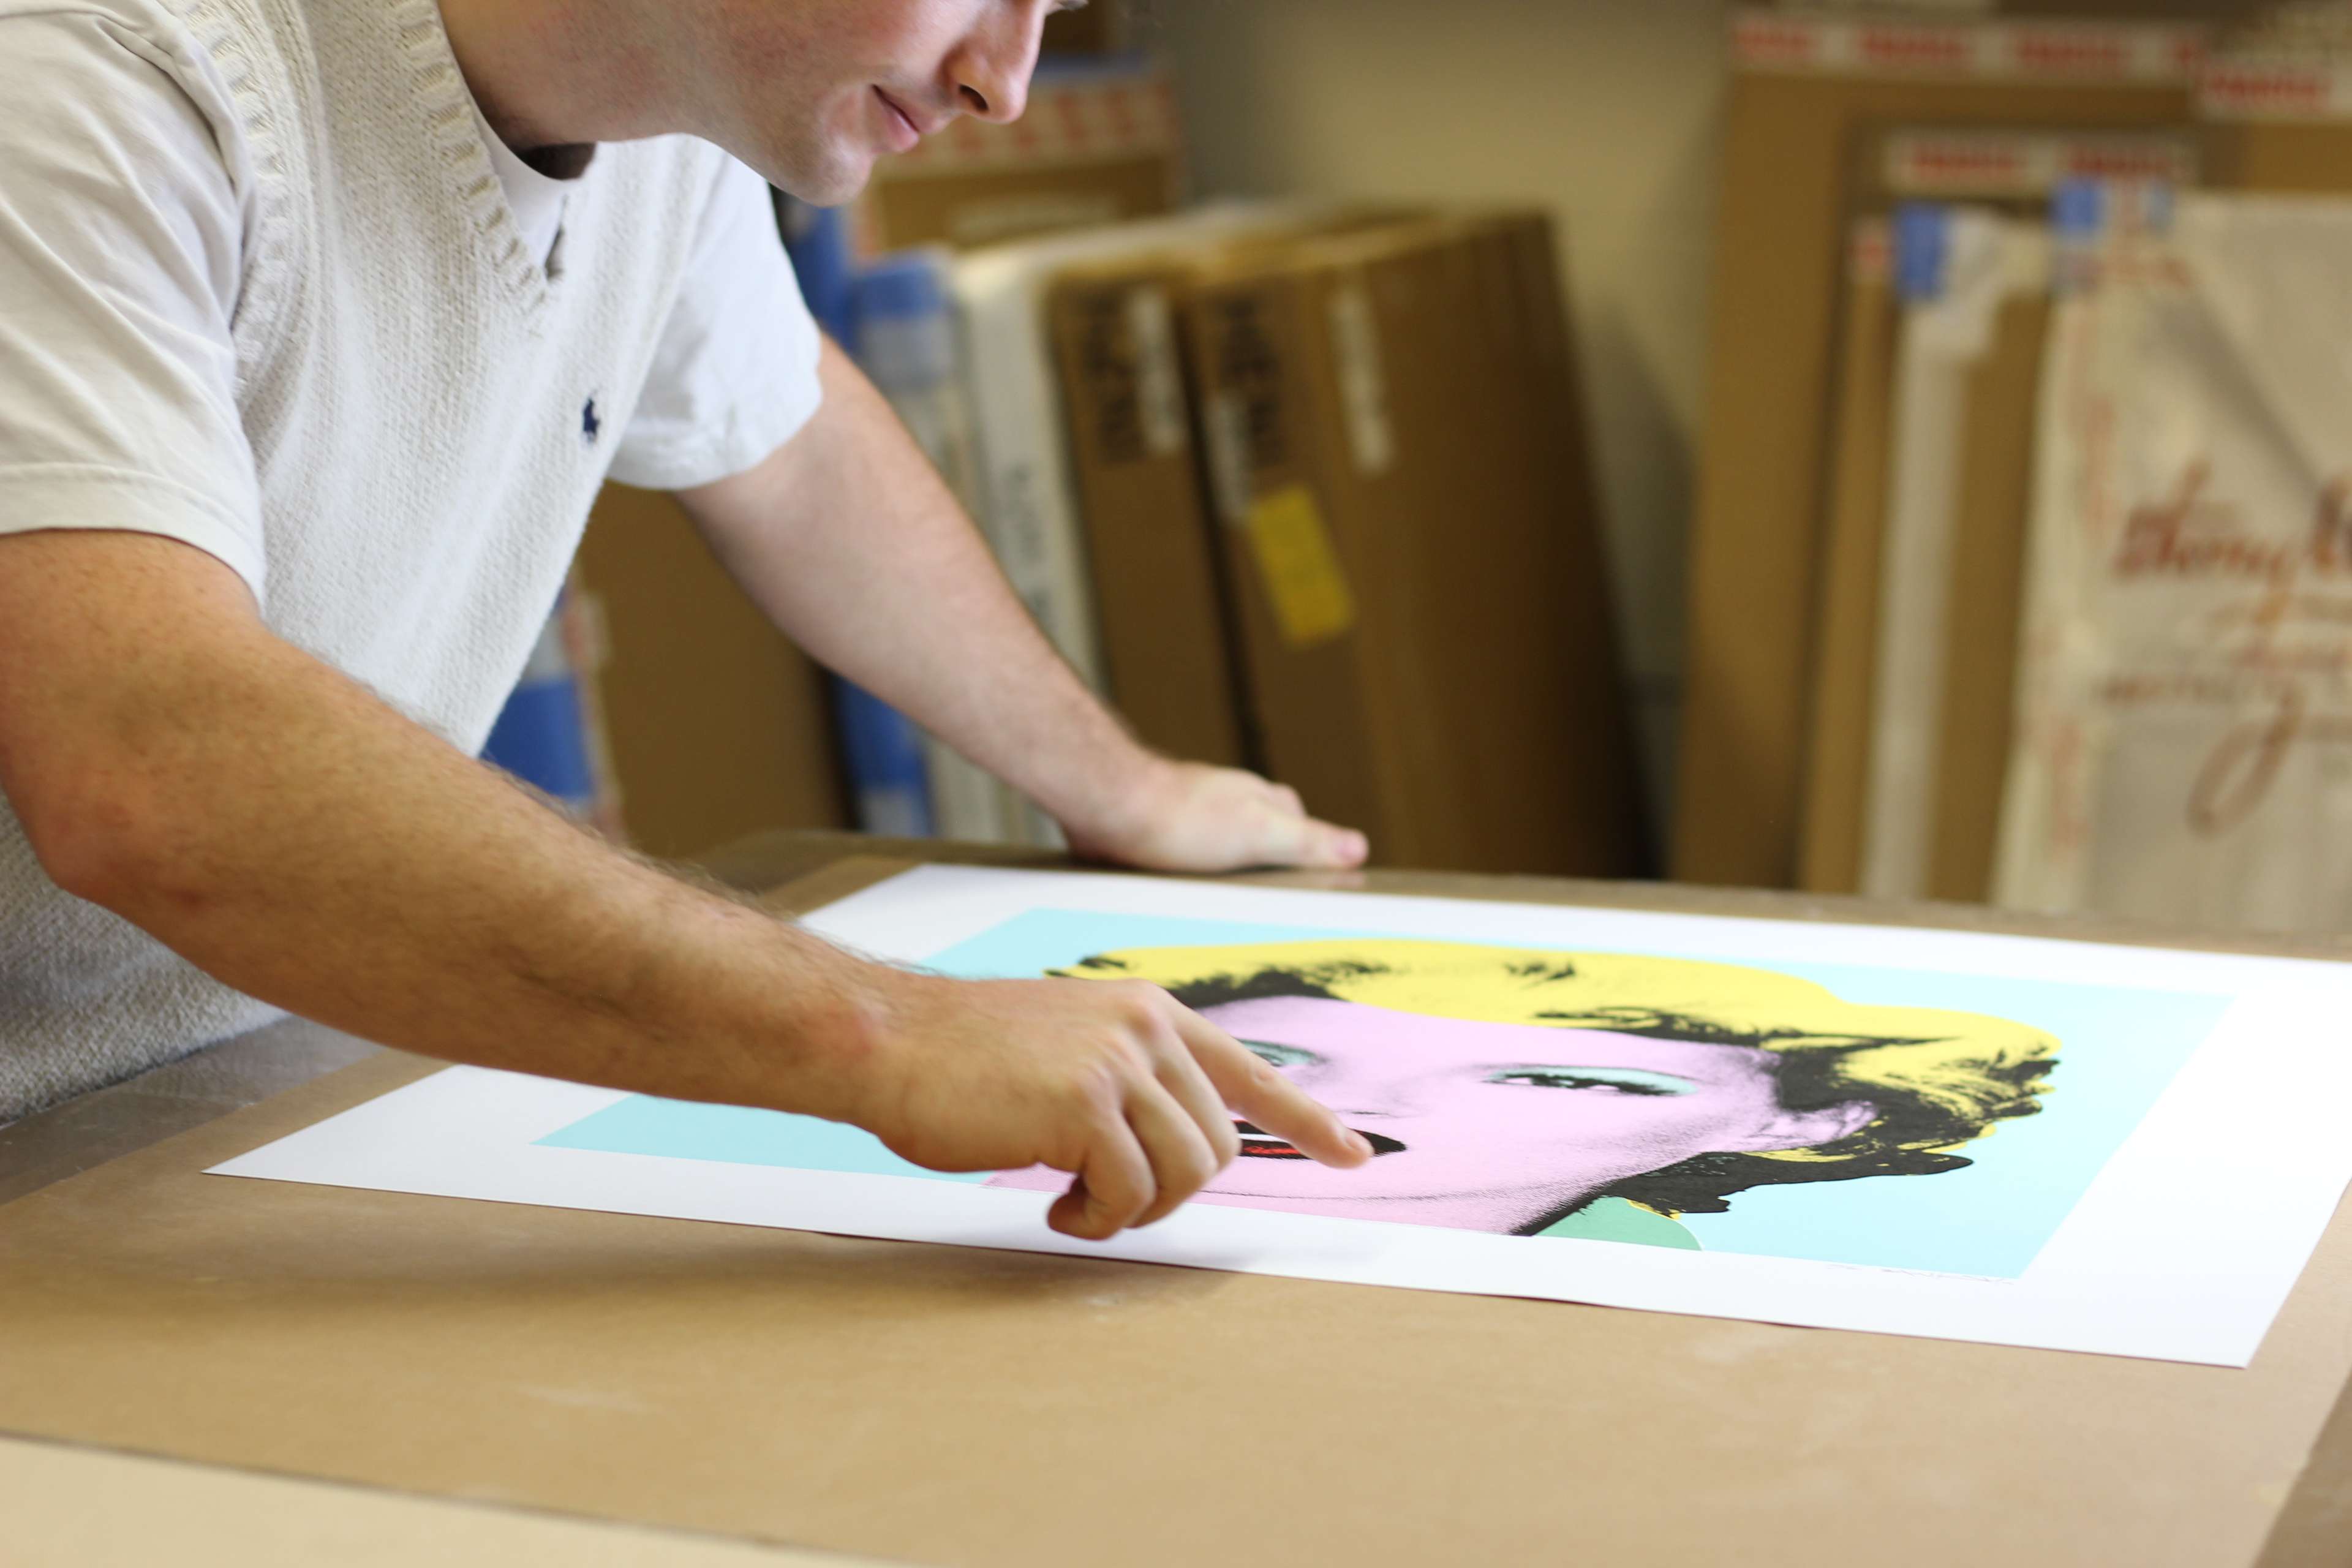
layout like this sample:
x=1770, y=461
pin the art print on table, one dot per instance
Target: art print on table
x=1970, y=1136
x=1659, y=1100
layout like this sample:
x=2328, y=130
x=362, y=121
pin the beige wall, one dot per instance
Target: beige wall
x=1607, y=111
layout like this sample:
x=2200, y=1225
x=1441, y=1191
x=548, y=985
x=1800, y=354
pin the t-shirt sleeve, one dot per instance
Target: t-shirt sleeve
x=735, y=375
x=120, y=236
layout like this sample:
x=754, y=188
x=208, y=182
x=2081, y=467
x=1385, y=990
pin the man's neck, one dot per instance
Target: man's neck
x=568, y=161
x=555, y=77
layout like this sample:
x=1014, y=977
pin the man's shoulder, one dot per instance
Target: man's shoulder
x=159, y=78
x=123, y=13
x=177, y=38
x=162, y=23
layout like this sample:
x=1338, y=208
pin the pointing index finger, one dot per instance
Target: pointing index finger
x=1269, y=1101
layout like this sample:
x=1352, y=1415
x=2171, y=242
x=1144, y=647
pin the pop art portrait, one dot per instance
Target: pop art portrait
x=1602, y=1095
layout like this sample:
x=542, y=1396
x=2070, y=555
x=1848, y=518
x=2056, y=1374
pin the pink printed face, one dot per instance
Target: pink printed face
x=1493, y=1126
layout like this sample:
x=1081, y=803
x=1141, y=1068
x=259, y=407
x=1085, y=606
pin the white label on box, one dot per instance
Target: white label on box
x=1363, y=383
x=1993, y=163
x=1225, y=422
x=1159, y=386
x=2286, y=90
x=2084, y=52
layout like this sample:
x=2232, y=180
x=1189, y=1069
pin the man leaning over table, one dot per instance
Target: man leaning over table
x=321, y=325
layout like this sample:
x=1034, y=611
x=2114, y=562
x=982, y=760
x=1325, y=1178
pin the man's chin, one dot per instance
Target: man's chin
x=843, y=181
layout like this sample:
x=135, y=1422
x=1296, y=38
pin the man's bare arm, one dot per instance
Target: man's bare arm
x=283, y=829
x=853, y=546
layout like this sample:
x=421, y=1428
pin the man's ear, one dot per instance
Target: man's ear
x=1806, y=1128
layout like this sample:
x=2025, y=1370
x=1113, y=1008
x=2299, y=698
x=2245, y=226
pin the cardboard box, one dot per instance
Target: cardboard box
x=1166, y=642
x=1098, y=144
x=2180, y=710
x=2009, y=170
x=1987, y=602
x=1151, y=535
x=1805, y=87
x=1390, y=420
x=1024, y=495
x=2278, y=122
x=718, y=726
x=1098, y=28
x=1837, y=753
x=2275, y=125
x=1976, y=287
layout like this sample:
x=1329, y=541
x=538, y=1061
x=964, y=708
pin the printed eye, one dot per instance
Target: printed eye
x=1279, y=1056
x=1603, y=1081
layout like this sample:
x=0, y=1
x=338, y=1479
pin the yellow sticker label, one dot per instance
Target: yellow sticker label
x=1302, y=577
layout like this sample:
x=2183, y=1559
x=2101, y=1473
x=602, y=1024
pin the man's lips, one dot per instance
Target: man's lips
x=906, y=131
x=1260, y=1145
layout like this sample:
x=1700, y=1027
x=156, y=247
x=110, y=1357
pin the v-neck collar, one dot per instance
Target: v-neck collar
x=464, y=141
x=534, y=200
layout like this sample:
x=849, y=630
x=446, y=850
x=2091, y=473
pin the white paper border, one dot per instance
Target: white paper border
x=2182, y=1248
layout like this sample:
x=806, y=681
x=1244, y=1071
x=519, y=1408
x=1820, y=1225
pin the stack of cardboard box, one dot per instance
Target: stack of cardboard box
x=1117, y=324
x=1806, y=89
x=1807, y=664
x=1339, y=523
x=2008, y=176
x=717, y=726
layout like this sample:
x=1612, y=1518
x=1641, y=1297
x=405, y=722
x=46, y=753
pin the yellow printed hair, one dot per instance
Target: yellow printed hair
x=1936, y=1081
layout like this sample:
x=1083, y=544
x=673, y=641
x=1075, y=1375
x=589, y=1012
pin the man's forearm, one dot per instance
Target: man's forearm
x=286, y=832
x=171, y=760
x=852, y=543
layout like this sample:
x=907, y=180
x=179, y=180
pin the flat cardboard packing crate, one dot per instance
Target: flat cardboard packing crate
x=2008, y=171
x=1154, y=557
x=2268, y=123
x=1167, y=646
x=718, y=726
x=1986, y=596
x=1396, y=452
x=1804, y=89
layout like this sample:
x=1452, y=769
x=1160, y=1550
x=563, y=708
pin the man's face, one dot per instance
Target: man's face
x=810, y=92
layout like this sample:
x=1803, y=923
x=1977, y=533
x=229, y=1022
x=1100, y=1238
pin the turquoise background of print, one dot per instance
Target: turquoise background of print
x=735, y=1135
x=2117, y=1050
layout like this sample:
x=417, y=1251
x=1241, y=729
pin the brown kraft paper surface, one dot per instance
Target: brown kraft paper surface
x=946, y=1404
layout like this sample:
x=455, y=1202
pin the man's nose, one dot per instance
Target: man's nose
x=991, y=70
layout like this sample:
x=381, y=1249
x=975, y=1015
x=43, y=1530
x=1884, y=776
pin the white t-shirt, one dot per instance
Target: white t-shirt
x=736, y=370
x=265, y=287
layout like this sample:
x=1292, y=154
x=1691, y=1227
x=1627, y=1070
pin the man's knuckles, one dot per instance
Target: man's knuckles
x=1141, y=1006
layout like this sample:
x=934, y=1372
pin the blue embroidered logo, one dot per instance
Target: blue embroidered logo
x=592, y=423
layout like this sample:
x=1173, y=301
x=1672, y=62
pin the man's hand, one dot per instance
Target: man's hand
x=279, y=826
x=1185, y=816
x=1113, y=1081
